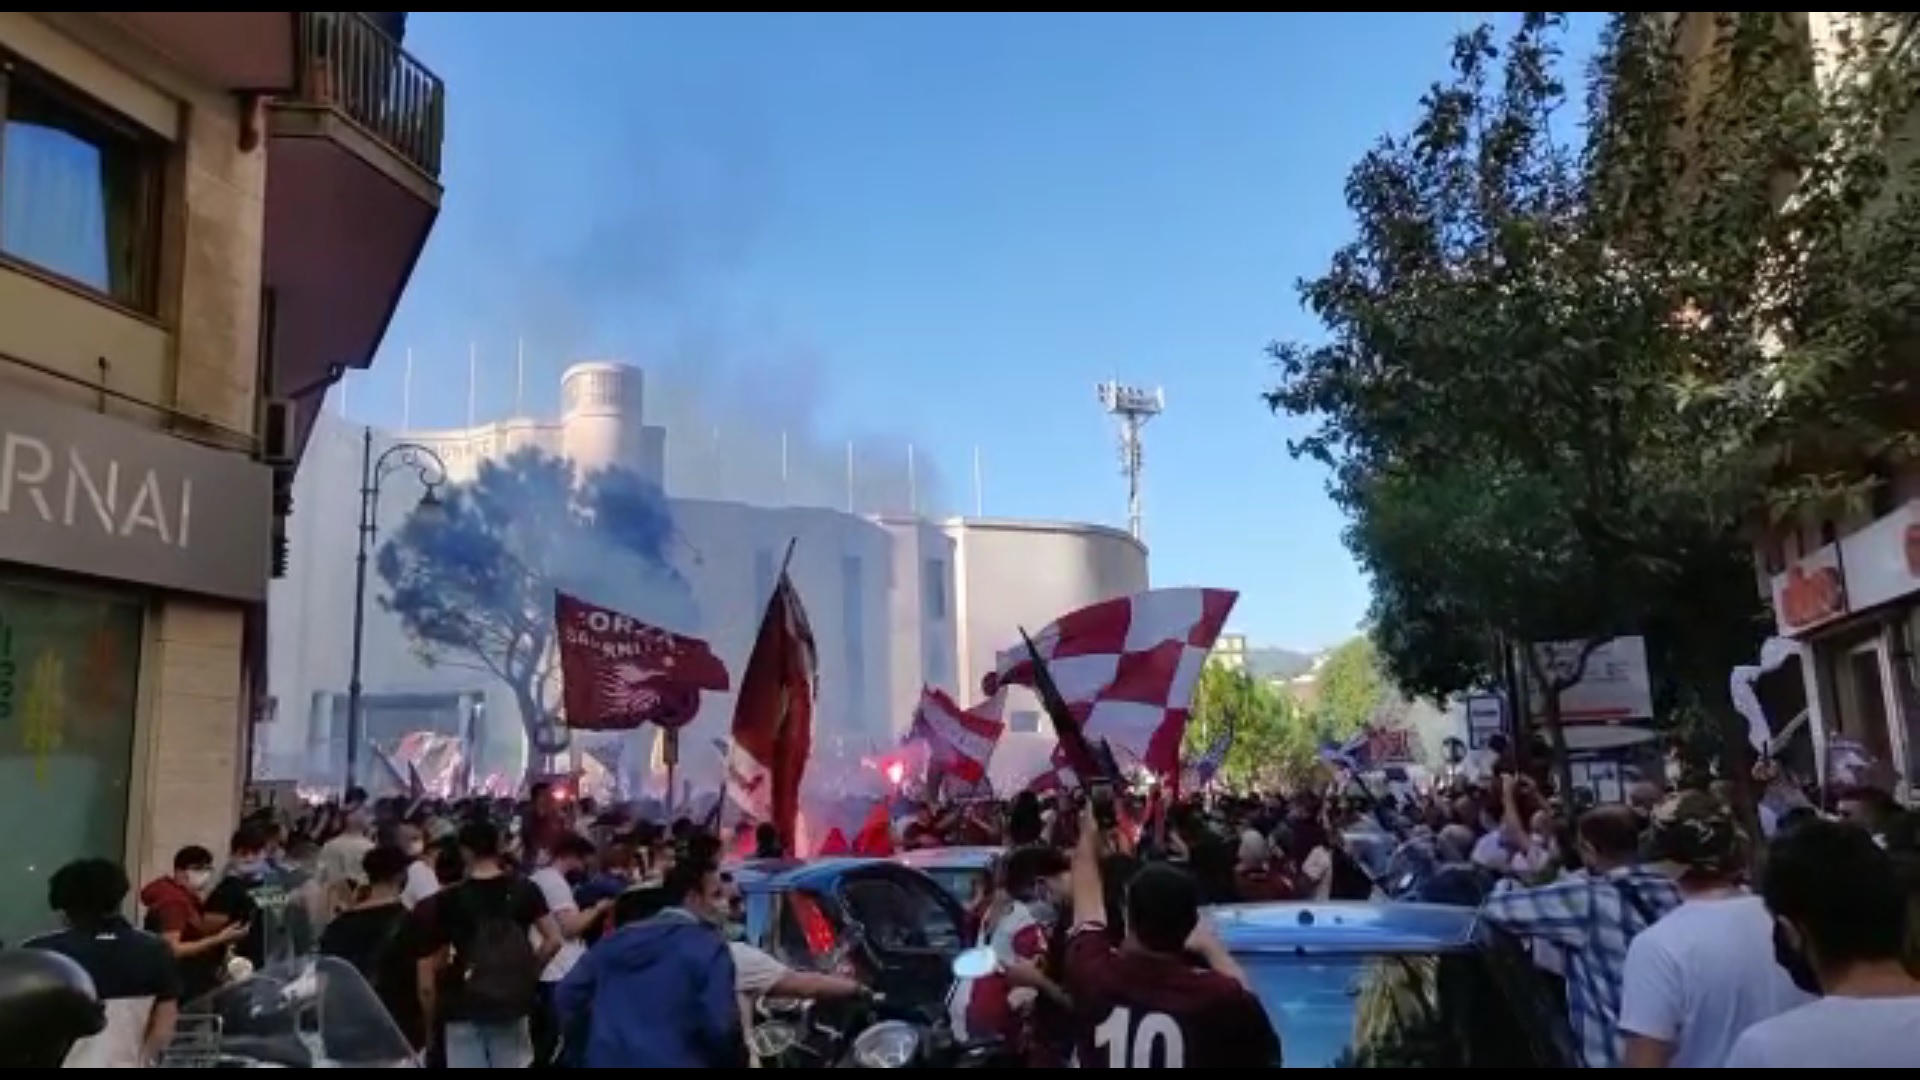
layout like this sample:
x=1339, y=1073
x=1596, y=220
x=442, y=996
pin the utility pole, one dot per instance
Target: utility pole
x=1133, y=407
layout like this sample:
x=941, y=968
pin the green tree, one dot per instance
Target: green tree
x=1273, y=741
x=1564, y=378
x=1348, y=690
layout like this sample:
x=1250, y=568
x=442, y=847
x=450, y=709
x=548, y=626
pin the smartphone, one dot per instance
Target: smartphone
x=1100, y=800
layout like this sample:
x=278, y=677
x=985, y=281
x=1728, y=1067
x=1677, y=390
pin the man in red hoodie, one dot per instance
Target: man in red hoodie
x=174, y=907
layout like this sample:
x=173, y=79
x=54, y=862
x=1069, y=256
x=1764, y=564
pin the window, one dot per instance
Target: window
x=1024, y=722
x=79, y=190
x=69, y=663
x=937, y=670
x=853, y=615
x=899, y=918
x=1480, y=1009
x=933, y=589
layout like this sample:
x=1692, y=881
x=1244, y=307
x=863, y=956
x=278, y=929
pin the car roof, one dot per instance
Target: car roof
x=773, y=875
x=949, y=858
x=1345, y=927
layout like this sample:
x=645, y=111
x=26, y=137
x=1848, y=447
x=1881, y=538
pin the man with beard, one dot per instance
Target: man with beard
x=1839, y=912
x=1143, y=1004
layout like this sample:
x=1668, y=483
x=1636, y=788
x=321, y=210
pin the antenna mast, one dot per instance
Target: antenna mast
x=1132, y=407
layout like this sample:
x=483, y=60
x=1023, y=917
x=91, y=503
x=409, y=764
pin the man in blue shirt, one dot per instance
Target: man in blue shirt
x=659, y=994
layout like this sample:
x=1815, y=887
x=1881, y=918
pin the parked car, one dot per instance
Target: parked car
x=1365, y=985
x=895, y=926
x=962, y=871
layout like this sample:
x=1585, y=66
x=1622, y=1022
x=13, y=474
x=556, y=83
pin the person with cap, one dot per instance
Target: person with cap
x=1700, y=976
x=48, y=1005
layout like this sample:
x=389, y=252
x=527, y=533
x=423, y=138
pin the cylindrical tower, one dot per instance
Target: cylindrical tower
x=602, y=406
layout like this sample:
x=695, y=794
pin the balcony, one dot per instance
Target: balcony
x=353, y=188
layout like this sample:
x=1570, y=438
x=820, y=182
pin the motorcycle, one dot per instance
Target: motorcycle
x=311, y=1013
x=873, y=1035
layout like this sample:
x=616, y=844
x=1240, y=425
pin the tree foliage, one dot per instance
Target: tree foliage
x=473, y=581
x=1348, y=690
x=1588, y=337
x=1274, y=742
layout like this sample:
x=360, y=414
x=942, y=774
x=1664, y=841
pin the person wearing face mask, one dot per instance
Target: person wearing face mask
x=566, y=869
x=422, y=881
x=174, y=907
x=253, y=894
x=1843, y=942
x=340, y=860
x=659, y=993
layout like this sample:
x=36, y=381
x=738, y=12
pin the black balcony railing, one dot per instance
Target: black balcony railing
x=350, y=65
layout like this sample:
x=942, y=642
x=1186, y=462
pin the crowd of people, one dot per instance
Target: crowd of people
x=551, y=933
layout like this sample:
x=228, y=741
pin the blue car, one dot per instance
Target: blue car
x=1384, y=986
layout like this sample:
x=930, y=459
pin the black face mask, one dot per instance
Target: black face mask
x=1794, y=962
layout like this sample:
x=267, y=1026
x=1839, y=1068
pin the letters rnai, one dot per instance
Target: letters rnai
x=69, y=488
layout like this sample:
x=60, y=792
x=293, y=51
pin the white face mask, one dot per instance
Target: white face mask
x=198, y=880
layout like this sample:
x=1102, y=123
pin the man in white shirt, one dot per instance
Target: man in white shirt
x=757, y=977
x=1840, y=941
x=570, y=855
x=1703, y=974
x=422, y=881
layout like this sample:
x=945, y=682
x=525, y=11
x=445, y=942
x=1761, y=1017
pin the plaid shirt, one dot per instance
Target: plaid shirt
x=1591, y=919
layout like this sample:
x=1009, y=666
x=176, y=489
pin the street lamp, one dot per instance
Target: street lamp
x=432, y=472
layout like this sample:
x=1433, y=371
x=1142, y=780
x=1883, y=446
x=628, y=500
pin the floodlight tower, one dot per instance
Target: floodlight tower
x=1132, y=407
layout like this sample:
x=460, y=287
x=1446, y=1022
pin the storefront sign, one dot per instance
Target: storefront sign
x=1614, y=685
x=92, y=495
x=1867, y=568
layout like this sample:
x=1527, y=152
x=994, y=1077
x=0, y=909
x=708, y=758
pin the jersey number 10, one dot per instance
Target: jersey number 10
x=1135, y=1042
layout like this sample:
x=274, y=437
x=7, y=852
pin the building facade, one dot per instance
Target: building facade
x=895, y=602
x=1849, y=591
x=200, y=213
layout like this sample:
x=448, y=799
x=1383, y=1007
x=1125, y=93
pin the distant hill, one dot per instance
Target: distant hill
x=1271, y=663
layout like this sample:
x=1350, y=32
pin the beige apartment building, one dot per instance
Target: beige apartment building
x=1845, y=583
x=205, y=219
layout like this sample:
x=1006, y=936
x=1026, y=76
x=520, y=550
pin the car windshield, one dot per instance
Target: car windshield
x=1446, y=1010
x=961, y=882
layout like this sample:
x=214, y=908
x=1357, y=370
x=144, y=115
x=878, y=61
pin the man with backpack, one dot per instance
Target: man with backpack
x=481, y=932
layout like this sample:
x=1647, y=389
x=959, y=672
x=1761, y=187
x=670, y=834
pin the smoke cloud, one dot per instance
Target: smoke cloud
x=652, y=279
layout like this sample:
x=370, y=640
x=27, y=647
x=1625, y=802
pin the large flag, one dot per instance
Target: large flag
x=617, y=673
x=773, y=715
x=1201, y=771
x=960, y=742
x=1126, y=668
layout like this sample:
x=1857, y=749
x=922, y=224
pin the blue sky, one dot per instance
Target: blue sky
x=937, y=228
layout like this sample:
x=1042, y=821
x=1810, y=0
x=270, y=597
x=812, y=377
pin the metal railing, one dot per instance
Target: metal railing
x=350, y=65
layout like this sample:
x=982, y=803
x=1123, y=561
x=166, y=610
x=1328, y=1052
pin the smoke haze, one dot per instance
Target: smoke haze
x=655, y=280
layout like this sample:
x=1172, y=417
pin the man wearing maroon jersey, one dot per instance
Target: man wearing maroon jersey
x=1143, y=1004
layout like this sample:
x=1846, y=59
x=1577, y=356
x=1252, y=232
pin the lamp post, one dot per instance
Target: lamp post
x=432, y=472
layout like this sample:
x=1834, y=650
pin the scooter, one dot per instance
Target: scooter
x=875, y=1035
x=312, y=1013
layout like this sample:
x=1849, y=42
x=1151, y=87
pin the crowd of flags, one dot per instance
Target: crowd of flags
x=1116, y=679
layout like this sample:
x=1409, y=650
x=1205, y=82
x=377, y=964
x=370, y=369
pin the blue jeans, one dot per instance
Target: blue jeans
x=489, y=1046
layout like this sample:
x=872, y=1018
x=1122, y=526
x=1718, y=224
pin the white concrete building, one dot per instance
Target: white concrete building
x=894, y=601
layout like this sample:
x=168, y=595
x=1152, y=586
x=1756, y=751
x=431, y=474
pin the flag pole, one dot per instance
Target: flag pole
x=979, y=491
x=406, y=394
x=913, y=485
x=787, y=559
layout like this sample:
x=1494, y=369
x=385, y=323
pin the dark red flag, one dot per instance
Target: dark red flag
x=617, y=673
x=773, y=716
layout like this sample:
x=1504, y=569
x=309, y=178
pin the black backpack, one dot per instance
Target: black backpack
x=497, y=967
